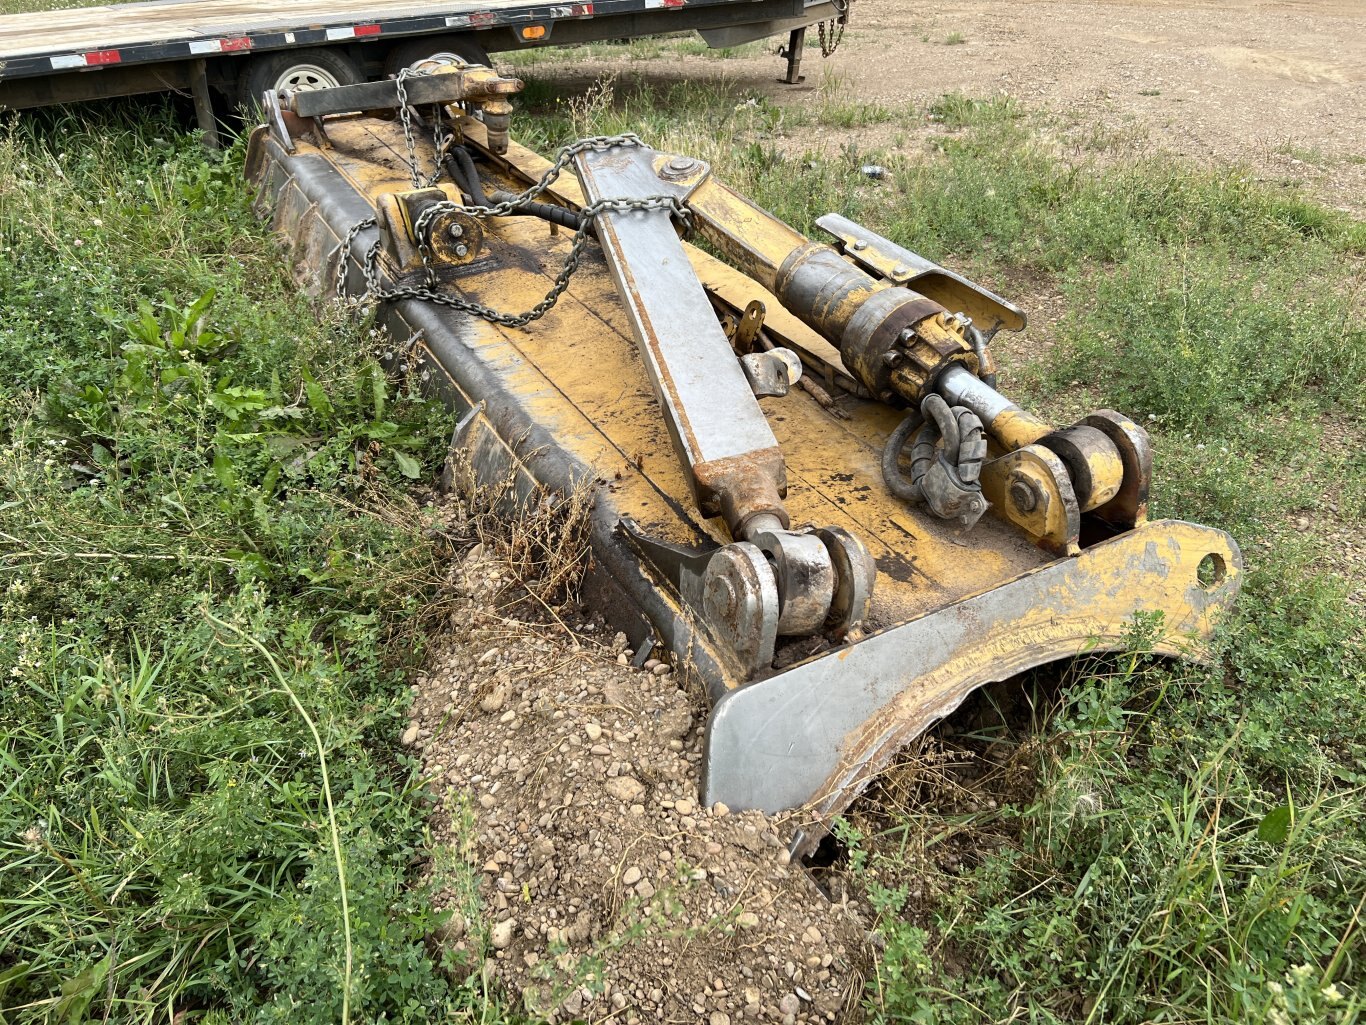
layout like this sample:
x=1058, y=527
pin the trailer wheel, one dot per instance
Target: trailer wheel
x=410, y=52
x=314, y=68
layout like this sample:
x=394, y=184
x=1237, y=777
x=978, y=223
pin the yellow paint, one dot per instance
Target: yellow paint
x=1107, y=475
x=1153, y=570
x=576, y=374
x=1016, y=428
x=1053, y=521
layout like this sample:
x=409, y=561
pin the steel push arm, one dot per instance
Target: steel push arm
x=909, y=333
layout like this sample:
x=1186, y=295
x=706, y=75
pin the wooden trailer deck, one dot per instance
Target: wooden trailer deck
x=91, y=37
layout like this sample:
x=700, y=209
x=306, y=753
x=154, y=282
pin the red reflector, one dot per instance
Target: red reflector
x=240, y=43
x=367, y=30
x=102, y=57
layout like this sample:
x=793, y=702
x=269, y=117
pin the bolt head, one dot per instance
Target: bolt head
x=1022, y=495
x=457, y=231
x=462, y=250
x=859, y=244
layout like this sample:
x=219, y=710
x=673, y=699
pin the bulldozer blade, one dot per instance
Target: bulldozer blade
x=567, y=403
x=813, y=736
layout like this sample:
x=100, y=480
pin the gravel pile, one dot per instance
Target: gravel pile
x=570, y=780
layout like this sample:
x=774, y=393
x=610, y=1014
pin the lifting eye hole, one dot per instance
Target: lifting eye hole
x=1211, y=571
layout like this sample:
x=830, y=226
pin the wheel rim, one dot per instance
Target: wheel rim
x=300, y=77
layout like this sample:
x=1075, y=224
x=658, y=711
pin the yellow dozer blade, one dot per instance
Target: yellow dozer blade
x=809, y=492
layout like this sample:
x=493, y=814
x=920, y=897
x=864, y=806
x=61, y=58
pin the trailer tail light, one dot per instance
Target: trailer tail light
x=533, y=32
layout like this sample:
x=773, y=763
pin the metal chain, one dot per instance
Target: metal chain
x=422, y=227
x=542, y=185
x=405, y=116
x=374, y=291
x=836, y=28
x=343, y=252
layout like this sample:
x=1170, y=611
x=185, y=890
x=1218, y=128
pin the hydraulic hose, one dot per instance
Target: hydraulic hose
x=466, y=176
x=948, y=445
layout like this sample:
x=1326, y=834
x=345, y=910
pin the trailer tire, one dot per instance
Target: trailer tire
x=411, y=51
x=309, y=68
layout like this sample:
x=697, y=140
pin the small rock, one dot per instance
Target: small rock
x=573, y=1003
x=720, y=810
x=624, y=788
x=631, y=876
x=789, y=1004
x=644, y=889
x=662, y=669
x=451, y=930
x=494, y=700
x=541, y=850
x=409, y=737
x=718, y=1018
x=501, y=935
x=594, y=732
x=747, y=920
x=684, y=807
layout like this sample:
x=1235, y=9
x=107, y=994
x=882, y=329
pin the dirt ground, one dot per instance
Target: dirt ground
x=608, y=895
x=1277, y=84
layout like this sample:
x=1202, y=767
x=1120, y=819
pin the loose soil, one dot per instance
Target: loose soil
x=1277, y=85
x=569, y=778
x=607, y=892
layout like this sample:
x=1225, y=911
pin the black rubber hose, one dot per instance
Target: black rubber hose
x=560, y=215
x=466, y=175
x=897, y=482
x=935, y=423
x=940, y=425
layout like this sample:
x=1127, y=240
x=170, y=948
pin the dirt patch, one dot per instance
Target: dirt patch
x=608, y=894
x=1278, y=85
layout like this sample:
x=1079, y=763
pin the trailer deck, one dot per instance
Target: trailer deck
x=93, y=37
x=237, y=49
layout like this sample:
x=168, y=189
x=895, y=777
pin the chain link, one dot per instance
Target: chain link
x=405, y=116
x=835, y=27
x=422, y=227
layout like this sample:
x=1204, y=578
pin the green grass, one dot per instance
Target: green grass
x=667, y=46
x=196, y=462
x=212, y=581
x=1157, y=842
x=29, y=6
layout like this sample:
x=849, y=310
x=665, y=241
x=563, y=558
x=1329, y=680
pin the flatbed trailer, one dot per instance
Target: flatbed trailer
x=241, y=48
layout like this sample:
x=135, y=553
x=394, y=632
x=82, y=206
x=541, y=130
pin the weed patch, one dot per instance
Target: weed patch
x=211, y=577
x=1161, y=842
